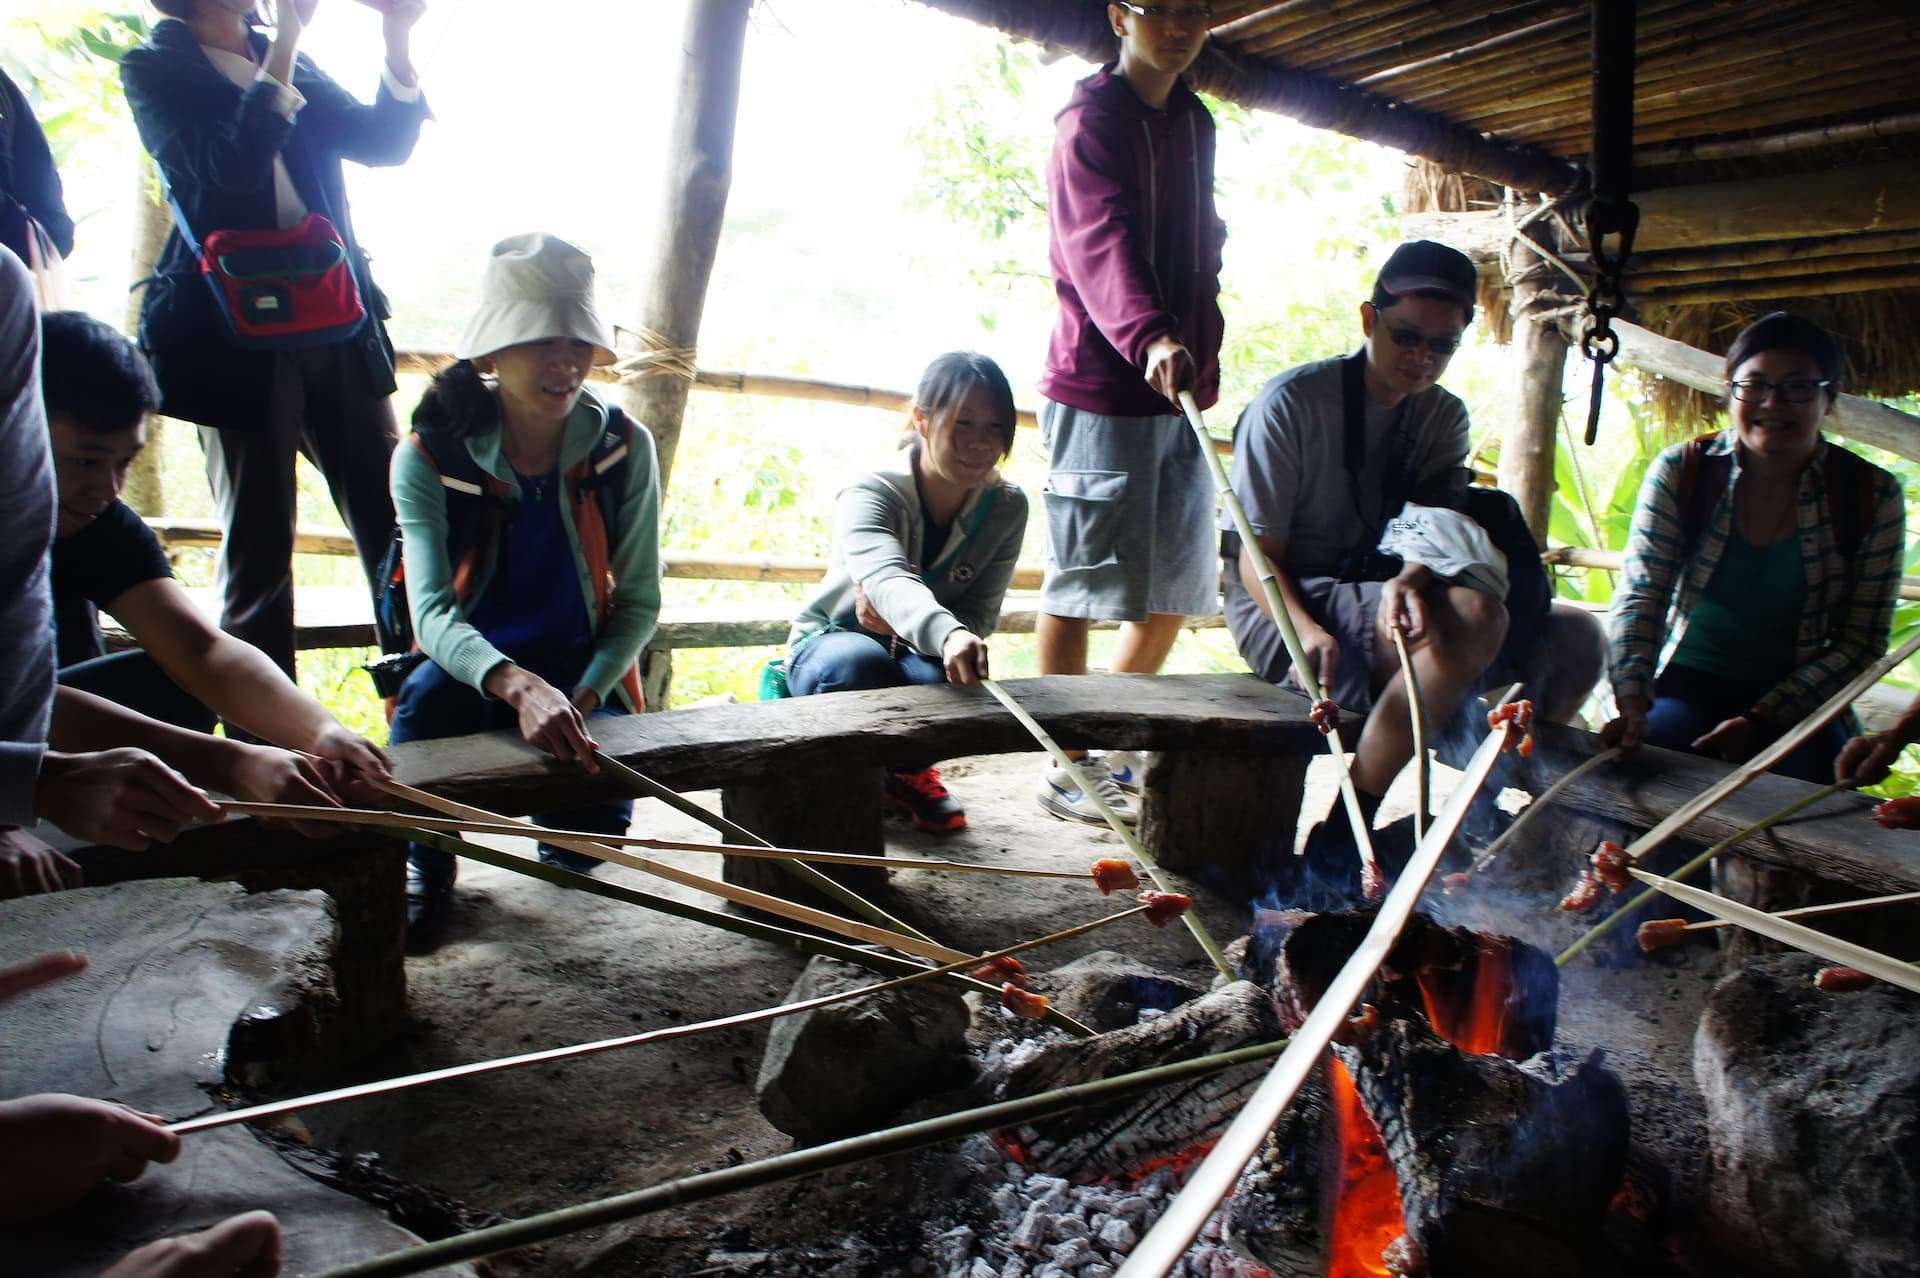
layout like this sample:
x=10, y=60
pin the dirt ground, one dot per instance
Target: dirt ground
x=528, y=965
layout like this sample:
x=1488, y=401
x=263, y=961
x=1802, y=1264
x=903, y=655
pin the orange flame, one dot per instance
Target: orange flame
x=1477, y=1023
x=1366, y=1212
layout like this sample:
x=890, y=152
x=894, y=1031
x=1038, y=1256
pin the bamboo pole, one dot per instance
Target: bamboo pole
x=1289, y=636
x=792, y=1166
x=1815, y=284
x=1620, y=915
x=386, y=1086
x=801, y=872
x=686, y=878
x=1417, y=716
x=1766, y=254
x=1541, y=804
x=1787, y=932
x=1780, y=143
x=1812, y=911
x=1678, y=819
x=455, y=825
x=739, y=924
x=1191, y=918
x=1214, y=1178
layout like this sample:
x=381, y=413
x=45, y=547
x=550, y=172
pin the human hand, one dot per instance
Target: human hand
x=864, y=613
x=1867, y=760
x=125, y=798
x=28, y=866
x=1322, y=652
x=54, y=1148
x=1735, y=740
x=268, y=774
x=290, y=17
x=585, y=700
x=965, y=654
x=1400, y=602
x=244, y=1246
x=1170, y=367
x=45, y=969
x=548, y=719
x=353, y=754
x=1629, y=729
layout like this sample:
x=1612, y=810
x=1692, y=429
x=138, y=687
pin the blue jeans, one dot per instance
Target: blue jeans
x=134, y=680
x=856, y=661
x=1687, y=705
x=433, y=704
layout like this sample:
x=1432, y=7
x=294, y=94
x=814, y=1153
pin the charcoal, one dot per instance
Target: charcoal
x=1274, y=1216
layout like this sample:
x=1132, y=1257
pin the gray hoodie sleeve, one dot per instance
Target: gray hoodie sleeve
x=26, y=534
x=867, y=532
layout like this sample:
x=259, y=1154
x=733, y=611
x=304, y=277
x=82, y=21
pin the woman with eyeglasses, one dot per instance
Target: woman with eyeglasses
x=1762, y=568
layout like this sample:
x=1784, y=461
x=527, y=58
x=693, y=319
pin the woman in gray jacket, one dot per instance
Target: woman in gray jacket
x=923, y=550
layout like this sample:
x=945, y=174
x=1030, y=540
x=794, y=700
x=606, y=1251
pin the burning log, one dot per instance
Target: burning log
x=1128, y=1137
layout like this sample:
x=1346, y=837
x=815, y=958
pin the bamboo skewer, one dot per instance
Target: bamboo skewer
x=1417, y=717
x=1163, y=1246
x=1678, y=819
x=454, y=825
x=271, y=1109
x=1121, y=828
x=1813, y=911
x=739, y=924
x=825, y=884
x=1540, y=804
x=1289, y=636
x=1787, y=932
x=1620, y=915
x=785, y=1167
x=686, y=878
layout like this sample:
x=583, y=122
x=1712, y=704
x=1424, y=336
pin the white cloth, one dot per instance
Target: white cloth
x=1447, y=544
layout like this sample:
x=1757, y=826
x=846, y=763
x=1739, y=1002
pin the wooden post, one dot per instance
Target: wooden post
x=1221, y=813
x=1526, y=453
x=831, y=808
x=699, y=173
x=150, y=226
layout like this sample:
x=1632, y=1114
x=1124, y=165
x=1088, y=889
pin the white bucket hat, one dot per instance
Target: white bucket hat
x=537, y=286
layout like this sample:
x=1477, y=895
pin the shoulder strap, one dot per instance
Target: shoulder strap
x=604, y=473
x=1703, y=478
x=1850, y=484
x=1353, y=420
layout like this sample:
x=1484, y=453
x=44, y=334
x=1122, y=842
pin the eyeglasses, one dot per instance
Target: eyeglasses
x=1408, y=339
x=1795, y=390
x=1169, y=12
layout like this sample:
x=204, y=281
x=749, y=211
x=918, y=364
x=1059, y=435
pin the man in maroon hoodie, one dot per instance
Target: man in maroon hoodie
x=1136, y=265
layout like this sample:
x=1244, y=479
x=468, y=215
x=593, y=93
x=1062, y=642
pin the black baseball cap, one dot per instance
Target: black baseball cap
x=1424, y=266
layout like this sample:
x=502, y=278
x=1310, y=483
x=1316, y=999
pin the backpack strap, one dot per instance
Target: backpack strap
x=1850, y=481
x=981, y=509
x=478, y=507
x=1703, y=478
x=604, y=471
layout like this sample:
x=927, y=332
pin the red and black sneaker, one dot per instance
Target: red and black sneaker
x=925, y=798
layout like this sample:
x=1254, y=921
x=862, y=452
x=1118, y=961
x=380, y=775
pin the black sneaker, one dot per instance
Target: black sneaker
x=429, y=906
x=563, y=859
x=924, y=796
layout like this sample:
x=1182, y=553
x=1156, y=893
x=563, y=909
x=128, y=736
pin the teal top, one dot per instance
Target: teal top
x=442, y=626
x=1744, y=624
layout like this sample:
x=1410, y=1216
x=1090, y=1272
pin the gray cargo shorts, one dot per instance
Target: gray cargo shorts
x=1346, y=609
x=1130, y=517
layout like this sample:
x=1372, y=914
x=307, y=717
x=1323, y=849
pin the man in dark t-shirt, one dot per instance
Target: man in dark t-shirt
x=186, y=671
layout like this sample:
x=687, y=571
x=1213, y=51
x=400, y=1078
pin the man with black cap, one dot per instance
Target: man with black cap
x=1325, y=456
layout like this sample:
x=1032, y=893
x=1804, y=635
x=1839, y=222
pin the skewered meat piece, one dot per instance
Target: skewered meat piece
x=1455, y=883
x=1325, y=715
x=1023, y=1003
x=1658, y=934
x=1164, y=907
x=1518, y=718
x=1610, y=864
x=1839, y=980
x=1373, y=880
x=1111, y=874
x=1585, y=894
x=1899, y=814
x=1005, y=969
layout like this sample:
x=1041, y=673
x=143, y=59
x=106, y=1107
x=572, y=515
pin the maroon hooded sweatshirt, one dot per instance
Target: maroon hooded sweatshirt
x=1135, y=246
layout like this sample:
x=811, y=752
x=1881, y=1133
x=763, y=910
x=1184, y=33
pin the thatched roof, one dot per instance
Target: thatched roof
x=1497, y=94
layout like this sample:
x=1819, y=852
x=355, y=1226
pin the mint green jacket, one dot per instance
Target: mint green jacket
x=439, y=624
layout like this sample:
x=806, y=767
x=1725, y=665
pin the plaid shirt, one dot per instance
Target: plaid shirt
x=1846, y=617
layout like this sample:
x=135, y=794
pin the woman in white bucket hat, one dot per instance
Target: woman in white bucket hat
x=529, y=513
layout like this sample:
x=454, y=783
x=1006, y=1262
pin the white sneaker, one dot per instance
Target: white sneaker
x=1127, y=767
x=1060, y=796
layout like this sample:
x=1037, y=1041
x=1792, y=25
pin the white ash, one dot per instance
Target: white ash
x=1041, y=1226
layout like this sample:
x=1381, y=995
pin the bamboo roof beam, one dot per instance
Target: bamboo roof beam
x=1864, y=420
x=1414, y=57
x=1784, y=274
x=1781, y=143
x=1769, y=252
x=1310, y=99
x=1826, y=284
x=1895, y=89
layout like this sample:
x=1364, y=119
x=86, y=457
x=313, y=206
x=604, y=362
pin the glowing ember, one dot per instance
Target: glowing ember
x=1367, y=1215
x=1478, y=1022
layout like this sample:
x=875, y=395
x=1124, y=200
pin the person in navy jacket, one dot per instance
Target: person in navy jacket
x=250, y=134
